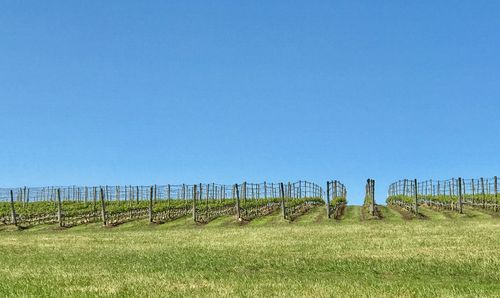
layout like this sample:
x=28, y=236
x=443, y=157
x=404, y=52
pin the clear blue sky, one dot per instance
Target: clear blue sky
x=115, y=92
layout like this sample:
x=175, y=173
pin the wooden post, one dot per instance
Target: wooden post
x=265, y=192
x=416, y=196
x=131, y=195
x=137, y=194
x=59, y=208
x=13, y=209
x=451, y=193
x=482, y=192
x=367, y=189
x=282, y=195
x=452, y=186
x=473, y=192
x=125, y=193
x=168, y=200
x=103, y=206
x=334, y=196
x=150, y=209
x=460, y=207
x=207, y=197
x=432, y=188
x=86, y=196
x=328, y=199
x=184, y=198
x=258, y=195
x=155, y=193
x=238, y=215
x=244, y=193
x=496, y=192
x=372, y=190
x=107, y=194
x=94, y=199
x=23, y=196
x=194, y=203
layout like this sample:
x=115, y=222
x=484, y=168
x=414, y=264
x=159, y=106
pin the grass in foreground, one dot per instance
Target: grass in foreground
x=437, y=256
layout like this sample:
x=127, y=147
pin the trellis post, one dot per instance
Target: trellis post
x=416, y=196
x=23, y=196
x=150, y=209
x=207, y=197
x=194, y=203
x=473, y=192
x=265, y=193
x=431, y=188
x=184, y=198
x=168, y=200
x=237, y=191
x=13, y=209
x=482, y=192
x=59, y=208
x=496, y=192
x=328, y=199
x=137, y=194
x=156, y=194
x=335, y=189
x=460, y=207
x=94, y=199
x=86, y=194
x=103, y=206
x=372, y=191
x=282, y=195
x=244, y=192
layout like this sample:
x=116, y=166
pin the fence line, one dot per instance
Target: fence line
x=451, y=194
x=73, y=205
x=336, y=199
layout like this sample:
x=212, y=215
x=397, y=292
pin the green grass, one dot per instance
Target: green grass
x=390, y=215
x=313, y=256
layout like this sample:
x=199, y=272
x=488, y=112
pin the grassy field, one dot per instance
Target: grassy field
x=445, y=254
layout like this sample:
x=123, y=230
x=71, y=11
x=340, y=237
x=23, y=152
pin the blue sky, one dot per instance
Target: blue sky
x=115, y=92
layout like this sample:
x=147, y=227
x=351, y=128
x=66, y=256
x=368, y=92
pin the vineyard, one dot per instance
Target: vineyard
x=370, y=208
x=452, y=194
x=336, y=194
x=251, y=239
x=113, y=205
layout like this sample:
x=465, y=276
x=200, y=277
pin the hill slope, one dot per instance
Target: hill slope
x=438, y=256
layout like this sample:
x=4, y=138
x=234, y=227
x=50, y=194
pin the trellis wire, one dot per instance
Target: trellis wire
x=450, y=194
x=72, y=205
x=336, y=195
